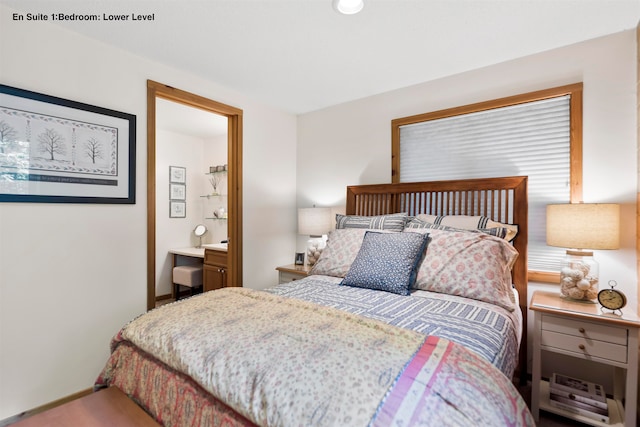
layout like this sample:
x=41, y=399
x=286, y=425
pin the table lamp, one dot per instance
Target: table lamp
x=581, y=226
x=314, y=222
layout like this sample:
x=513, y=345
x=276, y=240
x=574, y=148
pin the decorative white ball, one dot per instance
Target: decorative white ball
x=583, y=284
x=566, y=271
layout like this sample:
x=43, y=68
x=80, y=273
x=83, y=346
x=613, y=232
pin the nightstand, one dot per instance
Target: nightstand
x=291, y=272
x=581, y=330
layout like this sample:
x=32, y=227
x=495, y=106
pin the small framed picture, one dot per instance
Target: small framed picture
x=177, y=191
x=177, y=209
x=178, y=174
x=299, y=258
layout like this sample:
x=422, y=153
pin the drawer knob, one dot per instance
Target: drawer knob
x=581, y=346
x=581, y=330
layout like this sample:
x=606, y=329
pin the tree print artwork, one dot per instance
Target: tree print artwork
x=7, y=135
x=93, y=150
x=62, y=151
x=56, y=144
x=51, y=143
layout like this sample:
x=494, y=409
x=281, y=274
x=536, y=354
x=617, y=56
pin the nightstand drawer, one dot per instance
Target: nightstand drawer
x=585, y=348
x=286, y=277
x=585, y=330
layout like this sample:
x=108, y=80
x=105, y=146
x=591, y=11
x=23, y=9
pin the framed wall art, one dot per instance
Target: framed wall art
x=177, y=209
x=55, y=150
x=177, y=191
x=178, y=174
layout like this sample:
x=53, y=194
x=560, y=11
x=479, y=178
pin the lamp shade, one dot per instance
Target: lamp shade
x=314, y=221
x=584, y=225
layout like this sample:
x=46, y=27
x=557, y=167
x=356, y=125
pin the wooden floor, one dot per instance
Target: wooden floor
x=164, y=301
x=108, y=407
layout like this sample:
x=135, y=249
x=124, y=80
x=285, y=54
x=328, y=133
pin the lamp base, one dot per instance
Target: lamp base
x=315, y=245
x=579, y=276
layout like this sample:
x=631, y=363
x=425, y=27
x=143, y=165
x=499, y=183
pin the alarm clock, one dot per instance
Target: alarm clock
x=612, y=299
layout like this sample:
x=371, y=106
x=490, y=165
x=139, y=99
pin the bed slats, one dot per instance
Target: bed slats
x=494, y=204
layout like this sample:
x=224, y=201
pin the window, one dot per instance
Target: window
x=537, y=134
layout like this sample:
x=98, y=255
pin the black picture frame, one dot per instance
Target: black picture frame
x=55, y=150
x=299, y=258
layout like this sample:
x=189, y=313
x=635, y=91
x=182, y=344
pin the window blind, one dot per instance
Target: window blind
x=531, y=138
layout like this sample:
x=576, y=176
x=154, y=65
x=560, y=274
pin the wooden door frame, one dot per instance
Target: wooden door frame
x=234, y=151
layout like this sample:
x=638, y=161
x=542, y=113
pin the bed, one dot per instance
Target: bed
x=355, y=343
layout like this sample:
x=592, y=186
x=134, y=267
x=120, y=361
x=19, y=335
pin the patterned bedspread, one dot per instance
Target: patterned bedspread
x=286, y=362
x=489, y=330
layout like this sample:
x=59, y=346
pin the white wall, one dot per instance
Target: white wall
x=356, y=148
x=174, y=149
x=196, y=155
x=72, y=274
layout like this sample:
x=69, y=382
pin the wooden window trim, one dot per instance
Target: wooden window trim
x=575, y=155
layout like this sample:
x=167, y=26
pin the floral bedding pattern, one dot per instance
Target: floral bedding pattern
x=470, y=265
x=276, y=361
x=342, y=248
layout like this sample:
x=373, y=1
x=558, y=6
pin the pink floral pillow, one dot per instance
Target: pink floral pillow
x=342, y=248
x=467, y=264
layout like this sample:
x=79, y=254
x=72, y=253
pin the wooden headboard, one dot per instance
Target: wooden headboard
x=501, y=199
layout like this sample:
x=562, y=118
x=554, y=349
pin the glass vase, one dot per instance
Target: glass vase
x=315, y=245
x=579, y=276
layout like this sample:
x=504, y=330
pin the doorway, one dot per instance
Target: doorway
x=234, y=178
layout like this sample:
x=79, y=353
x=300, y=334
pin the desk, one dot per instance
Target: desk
x=214, y=258
x=189, y=252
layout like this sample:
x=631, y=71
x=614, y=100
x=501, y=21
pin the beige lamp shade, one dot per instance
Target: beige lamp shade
x=314, y=221
x=584, y=225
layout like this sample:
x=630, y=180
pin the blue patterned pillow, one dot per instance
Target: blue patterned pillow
x=387, y=262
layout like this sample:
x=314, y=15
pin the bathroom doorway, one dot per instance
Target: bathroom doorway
x=157, y=92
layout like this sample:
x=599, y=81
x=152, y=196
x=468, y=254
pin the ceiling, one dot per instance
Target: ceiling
x=301, y=55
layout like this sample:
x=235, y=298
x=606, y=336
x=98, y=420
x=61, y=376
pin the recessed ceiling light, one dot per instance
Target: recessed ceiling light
x=348, y=7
